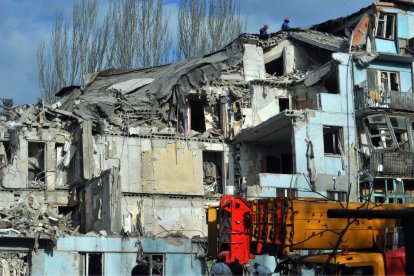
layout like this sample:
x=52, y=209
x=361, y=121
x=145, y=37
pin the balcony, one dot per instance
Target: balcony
x=391, y=164
x=366, y=100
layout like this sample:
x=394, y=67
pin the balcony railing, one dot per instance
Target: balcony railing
x=391, y=164
x=375, y=99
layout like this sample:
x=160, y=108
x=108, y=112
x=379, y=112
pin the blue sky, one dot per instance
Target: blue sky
x=24, y=22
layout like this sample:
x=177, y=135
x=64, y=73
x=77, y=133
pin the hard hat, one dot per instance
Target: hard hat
x=266, y=26
x=286, y=19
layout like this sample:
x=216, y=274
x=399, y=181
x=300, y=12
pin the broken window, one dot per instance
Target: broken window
x=94, y=264
x=330, y=82
x=283, y=104
x=332, y=139
x=379, y=132
x=152, y=264
x=212, y=177
x=36, y=161
x=386, y=26
x=286, y=192
x=64, y=210
x=196, y=116
x=383, y=80
x=15, y=263
x=336, y=195
x=399, y=126
x=5, y=153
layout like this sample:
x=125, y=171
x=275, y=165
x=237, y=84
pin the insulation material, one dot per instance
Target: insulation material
x=177, y=170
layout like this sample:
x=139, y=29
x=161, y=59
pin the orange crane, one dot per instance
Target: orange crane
x=283, y=226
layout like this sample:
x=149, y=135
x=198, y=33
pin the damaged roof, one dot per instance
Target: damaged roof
x=148, y=90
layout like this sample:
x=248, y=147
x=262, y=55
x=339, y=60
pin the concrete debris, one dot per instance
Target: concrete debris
x=363, y=58
x=323, y=40
x=27, y=218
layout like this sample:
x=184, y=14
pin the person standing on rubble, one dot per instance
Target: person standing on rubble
x=263, y=31
x=285, y=25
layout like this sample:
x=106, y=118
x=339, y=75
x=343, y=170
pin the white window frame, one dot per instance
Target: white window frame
x=379, y=76
x=384, y=19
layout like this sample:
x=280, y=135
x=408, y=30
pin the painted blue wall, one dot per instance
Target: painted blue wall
x=119, y=255
x=385, y=46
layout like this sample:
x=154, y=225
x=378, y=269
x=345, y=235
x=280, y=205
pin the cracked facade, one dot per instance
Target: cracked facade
x=119, y=172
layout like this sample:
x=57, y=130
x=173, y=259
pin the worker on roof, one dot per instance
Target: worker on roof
x=285, y=25
x=263, y=32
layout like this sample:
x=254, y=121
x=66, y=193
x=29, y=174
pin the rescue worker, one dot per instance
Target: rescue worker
x=236, y=268
x=220, y=267
x=262, y=270
x=263, y=31
x=285, y=25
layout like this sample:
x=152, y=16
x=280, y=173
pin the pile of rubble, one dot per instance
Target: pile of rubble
x=28, y=218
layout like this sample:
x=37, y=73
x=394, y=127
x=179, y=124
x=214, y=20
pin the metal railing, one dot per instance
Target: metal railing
x=391, y=164
x=375, y=99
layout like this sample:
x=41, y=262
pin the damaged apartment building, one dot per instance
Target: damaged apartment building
x=117, y=173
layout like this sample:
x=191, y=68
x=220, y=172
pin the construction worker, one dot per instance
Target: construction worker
x=285, y=25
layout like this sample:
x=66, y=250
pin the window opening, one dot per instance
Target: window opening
x=5, y=153
x=384, y=81
x=197, y=116
x=283, y=104
x=331, y=82
x=64, y=210
x=336, y=195
x=386, y=26
x=378, y=130
x=94, y=264
x=332, y=138
x=212, y=176
x=286, y=192
x=399, y=126
x=152, y=264
x=36, y=161
x=15, y=263
x=287, y=163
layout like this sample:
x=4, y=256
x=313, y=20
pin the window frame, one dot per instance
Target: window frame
x=385, y=27
x=288, y=192
x=378, y=80
x=337, y=143
x=339, y=194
